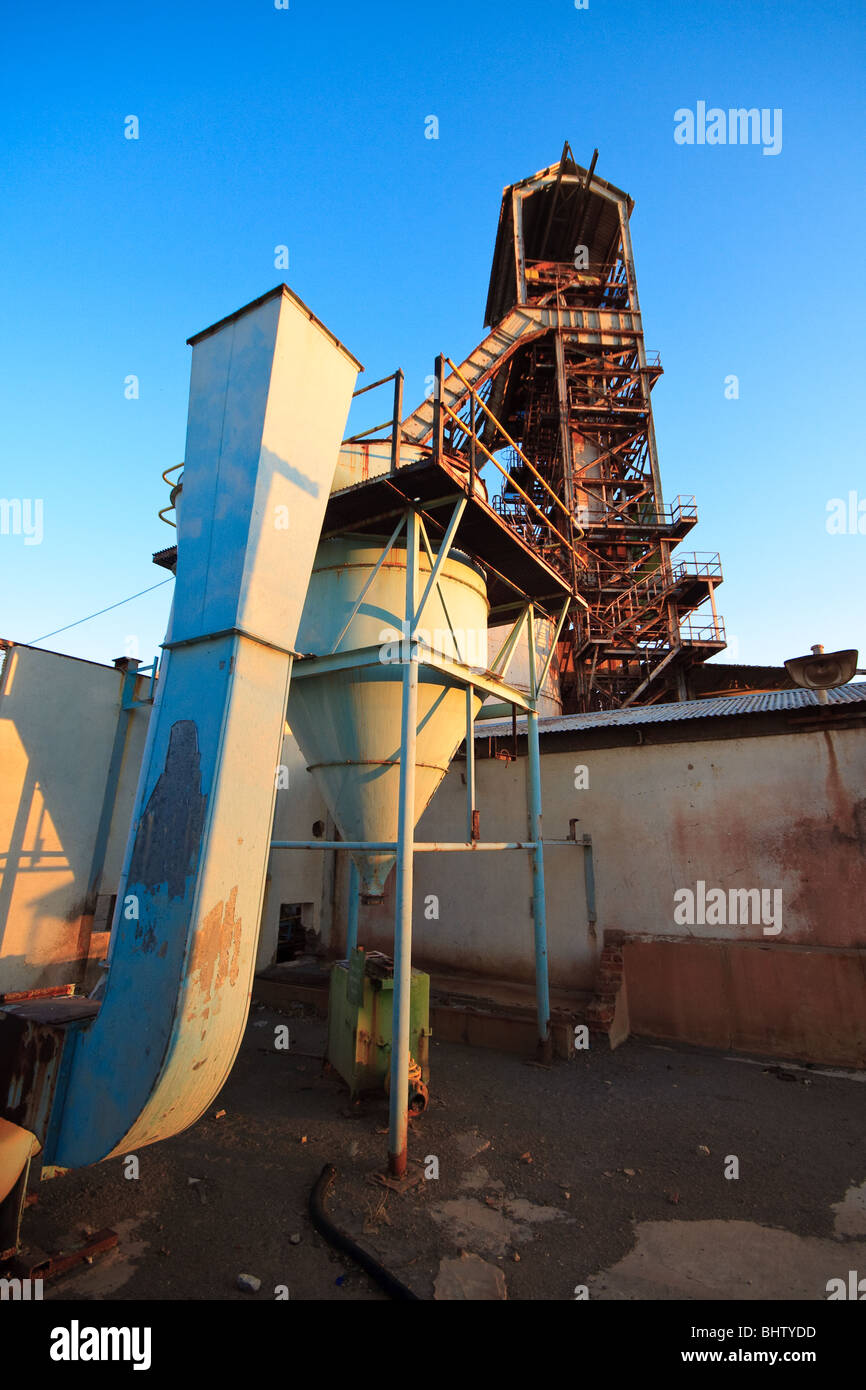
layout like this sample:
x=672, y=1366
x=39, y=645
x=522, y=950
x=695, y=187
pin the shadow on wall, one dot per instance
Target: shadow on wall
x=58, y=718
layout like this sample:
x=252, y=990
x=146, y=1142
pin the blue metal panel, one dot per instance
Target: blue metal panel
x=269, y=398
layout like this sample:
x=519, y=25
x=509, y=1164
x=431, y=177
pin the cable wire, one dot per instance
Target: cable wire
x=119, y=604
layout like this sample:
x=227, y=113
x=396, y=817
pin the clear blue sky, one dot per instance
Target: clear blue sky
x=305, y=127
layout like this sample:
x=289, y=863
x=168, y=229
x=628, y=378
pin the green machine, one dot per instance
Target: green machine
x=360, y=1019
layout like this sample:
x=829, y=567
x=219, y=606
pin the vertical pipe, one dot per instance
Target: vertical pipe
x=354, y=895
x=589, y=883
x=539, y=916
x=128, y=668
x=399, y=1097
x=327, y=916
x=396, y=435
x=470, y=766
x=438, y=412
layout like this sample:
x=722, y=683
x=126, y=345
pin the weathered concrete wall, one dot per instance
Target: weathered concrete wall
x=779, y=812
x=57, y=722
x=787, y=1001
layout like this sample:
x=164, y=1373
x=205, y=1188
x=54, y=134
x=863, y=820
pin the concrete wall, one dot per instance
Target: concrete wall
x=742, y=802
x=297, y=876
x=783, y=811
x=57, y=723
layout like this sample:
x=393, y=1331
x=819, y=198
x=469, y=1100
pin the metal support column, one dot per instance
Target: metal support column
x=399, y=1097
x=128, y=667
x=438, y=412
x=539, y=915
x=472, y=829
x=354, y=897
x=396, y=432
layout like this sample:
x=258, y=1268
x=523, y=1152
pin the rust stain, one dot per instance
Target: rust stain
x=216, y=957
x=837, y=793
x=826, y=908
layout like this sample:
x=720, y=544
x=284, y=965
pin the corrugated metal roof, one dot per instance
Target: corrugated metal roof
x=753, y=702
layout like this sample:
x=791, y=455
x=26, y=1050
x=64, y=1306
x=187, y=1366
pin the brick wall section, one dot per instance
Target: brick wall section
x=607, y=1012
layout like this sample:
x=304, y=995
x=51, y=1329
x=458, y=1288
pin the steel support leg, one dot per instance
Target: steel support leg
x=354, y=895
x=539, y=913
x=471, y=819
x=399, y=1097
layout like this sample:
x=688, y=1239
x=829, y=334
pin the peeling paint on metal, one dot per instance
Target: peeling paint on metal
x=169, y=833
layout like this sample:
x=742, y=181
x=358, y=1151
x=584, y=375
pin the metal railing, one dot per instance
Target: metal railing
x=395, y=422
x=441, y=409
x=699, y=564
x=711, y=630
x=170, y=508
x=683, y=508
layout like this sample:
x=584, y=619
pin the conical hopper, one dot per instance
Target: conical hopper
x=347, y=723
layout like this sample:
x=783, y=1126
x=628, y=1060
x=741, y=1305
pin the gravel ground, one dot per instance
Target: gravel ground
x=596, y=1174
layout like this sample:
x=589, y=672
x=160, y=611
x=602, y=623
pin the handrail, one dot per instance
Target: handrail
x=507, y=475
x=395, y=424
x=170, y=508
x=362, y=434
x=698, y=631
x=372, y=386
x=503, y=431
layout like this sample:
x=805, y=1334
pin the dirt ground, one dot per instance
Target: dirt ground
x=603, y=1177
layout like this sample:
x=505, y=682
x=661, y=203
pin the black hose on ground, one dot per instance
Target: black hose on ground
x=340, y=1241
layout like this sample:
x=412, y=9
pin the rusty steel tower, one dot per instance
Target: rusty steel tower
x=559, y=390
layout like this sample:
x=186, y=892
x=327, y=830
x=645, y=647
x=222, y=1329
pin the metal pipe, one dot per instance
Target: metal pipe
x=377, y=845
x=458, y=846
x=539, y=916
x=128, y=667
x=471, y=822
x=419, y=846
x=589, y=880
x=397, y=435
x=354, y=899
x=438, y=418
x=363, y=389
x=398, y=1128
x=362, y=434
